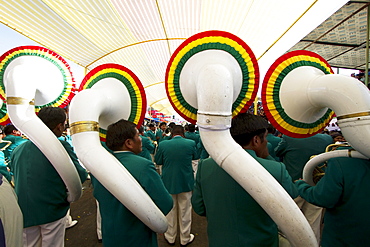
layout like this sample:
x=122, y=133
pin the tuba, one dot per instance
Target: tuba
x=211, y=77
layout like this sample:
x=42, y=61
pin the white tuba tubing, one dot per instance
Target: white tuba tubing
x=89, y=105
x=214, y=121
x=22, y=81
x=308, y=89
x=312, y=163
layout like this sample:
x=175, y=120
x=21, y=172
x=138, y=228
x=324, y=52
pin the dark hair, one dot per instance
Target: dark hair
x=151, y=125
x=191, y=127
x=9, y=129
x=178, y=130
x=141, y=129
x=171, y=125
x=118, y=133
x=52, y=116
x=245, y=126
x=163, y=123
x=271, y=129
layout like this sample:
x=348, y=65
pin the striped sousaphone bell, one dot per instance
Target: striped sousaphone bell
x=211, y=77
x=300, y=95
x=32, y=77
x=108, y=93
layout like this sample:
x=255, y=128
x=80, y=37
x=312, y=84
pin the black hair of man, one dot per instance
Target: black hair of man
x=170, y=125
x=245, y=126
x=151, y=125
x=118, y=133
x=141, y=129
x=271, y=129
x=191, y=127
x=163, y=123
x=178, y=130
x=52, y=116
x=9, y=129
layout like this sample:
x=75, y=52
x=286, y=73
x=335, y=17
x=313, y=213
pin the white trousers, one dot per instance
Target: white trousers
x=313, y=215
x=98, y=220
x=194, y=163
x=46, y=235
x=181, y=212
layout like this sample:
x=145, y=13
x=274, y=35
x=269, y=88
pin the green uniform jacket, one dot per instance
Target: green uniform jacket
x=159, y=136
x=203, y=154
x=42, y=194
x=16, y=141
x=3, y=167
x=297, y=151
x=234, y=217
x=147, y=148
x=193, y=136
x=150, y=134
x=177, y=172
x=119, y=226
x=345, y=193
x=274, y=140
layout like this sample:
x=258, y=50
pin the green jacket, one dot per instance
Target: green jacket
x=274, y=140
x=297, y=151
x=150, y=134
x=147, y=148
x=177, y=171
x=4, y=168
x=120, y=227
x=42, y=194
x=345, y=193
x=16, y=141
x=234, y=217
x=193, y=136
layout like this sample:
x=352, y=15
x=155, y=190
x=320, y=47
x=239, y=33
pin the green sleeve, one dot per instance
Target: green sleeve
x=327, y=191
x=148, y=144
x=197, y=197
x=153, y=185
x=287, y=183
x=281, y=147
x=4, y=171
x=80, y=170
x=159, y=156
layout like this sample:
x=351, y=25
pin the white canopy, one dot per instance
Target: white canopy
x=143, y=34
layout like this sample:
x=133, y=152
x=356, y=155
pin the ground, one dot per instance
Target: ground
x=84, y=233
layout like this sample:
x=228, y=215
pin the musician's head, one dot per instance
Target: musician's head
x=250, y=132
x=123, y=136
x=54, y=118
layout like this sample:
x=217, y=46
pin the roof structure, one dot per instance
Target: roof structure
x=143, y=34
x=341, y=39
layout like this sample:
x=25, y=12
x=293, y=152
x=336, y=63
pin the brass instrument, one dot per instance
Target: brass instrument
x=319, y=170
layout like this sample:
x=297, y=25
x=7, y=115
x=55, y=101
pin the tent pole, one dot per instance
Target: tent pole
x=367, y=47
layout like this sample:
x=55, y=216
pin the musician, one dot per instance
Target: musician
x=345, y=193
x=13, y=135
x=151, y=132
x=234, y=217
x=42, y=194
x=120, y=227
x=147, y=145
x=296, y=152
